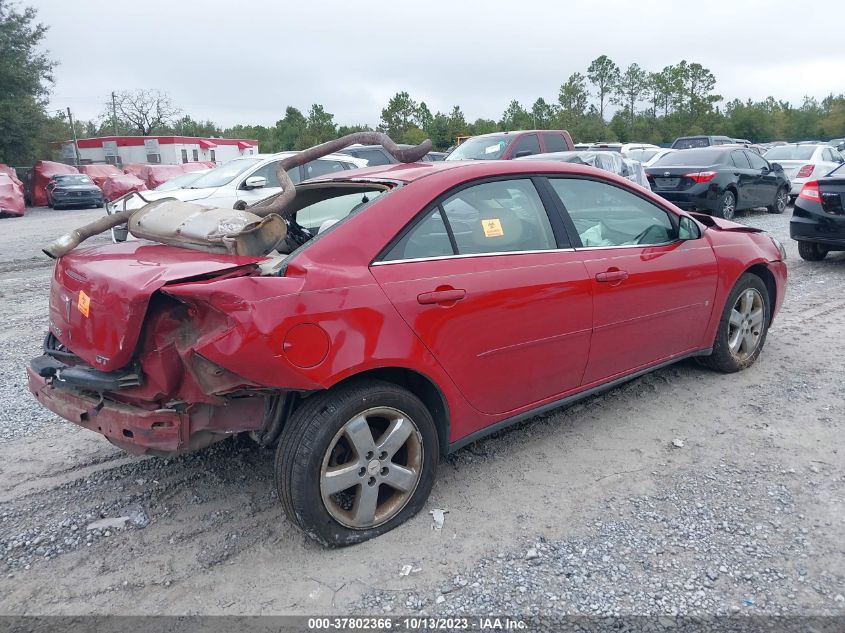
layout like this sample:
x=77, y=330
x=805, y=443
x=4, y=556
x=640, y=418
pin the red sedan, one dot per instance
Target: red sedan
x=436, y=302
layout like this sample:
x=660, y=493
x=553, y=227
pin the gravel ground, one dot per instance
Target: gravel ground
x=682, y=492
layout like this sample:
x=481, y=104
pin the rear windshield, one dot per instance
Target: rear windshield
x=693, y=141
x=695, y=157
x=481, y=148
x=790, y=152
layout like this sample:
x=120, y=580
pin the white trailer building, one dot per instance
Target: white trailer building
x=165, y=150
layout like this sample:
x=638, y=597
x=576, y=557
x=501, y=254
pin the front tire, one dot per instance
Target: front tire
x=743, y=326
x=727, y=206
x=781, y=201
x=356, y=461
x=812, y=252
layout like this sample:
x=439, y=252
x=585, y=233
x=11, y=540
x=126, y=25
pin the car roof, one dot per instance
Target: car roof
x=409, y=172
x=511, y=132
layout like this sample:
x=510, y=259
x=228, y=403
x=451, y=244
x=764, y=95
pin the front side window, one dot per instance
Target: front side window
x=605, y=215
x=493, y=217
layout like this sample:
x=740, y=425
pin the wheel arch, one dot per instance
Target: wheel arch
x=762, y=271
x=422, y=387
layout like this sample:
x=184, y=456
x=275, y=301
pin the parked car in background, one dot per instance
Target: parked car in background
x=838, y=143
x=803, y=162
x=447, y=302
x=237, y=183
x=818, y=218
x=720, y=180
x=508, y=145
x=614, y=162
x=11, y=196
x=180, y=182
x=377, y=155
x=73, y=190
x=657, y=155
x=689, y=142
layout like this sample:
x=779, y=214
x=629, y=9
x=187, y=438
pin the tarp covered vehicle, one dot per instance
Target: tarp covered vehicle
x=119, y=185
x=11, y=197
x=98, y=173
x=41, y=174
x=610, y=161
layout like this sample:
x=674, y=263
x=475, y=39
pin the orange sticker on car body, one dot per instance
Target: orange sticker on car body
x=84, y=303
x=492, y=228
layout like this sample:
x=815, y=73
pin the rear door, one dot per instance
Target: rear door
x=746, y=179
x=652, y=293
x=489, y=283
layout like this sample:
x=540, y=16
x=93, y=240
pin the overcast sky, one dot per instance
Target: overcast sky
x=244, y=62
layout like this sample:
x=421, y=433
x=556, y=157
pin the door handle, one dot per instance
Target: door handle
x=612, y=276
x=442, y=296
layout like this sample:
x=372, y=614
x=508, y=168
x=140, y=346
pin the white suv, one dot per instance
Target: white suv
x=241, y=181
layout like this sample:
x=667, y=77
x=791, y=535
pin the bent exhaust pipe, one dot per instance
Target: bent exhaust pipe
x=69, y=241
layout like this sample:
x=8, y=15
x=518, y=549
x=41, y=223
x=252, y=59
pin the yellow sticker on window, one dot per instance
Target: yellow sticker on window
x=84, y=303
x=492, y=228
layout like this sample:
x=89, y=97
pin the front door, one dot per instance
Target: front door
x=652, y=293
x=495, y=294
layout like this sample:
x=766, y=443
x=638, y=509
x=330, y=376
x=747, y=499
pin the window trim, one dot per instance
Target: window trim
x=575, y=238
x=438, y=201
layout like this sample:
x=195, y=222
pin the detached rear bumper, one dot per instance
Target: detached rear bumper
x=134, y=429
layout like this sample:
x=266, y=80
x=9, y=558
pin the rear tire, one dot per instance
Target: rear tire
x=727, y=206
x=781, y=201
x=742, y=328
x=812, y=252
x=342, y=436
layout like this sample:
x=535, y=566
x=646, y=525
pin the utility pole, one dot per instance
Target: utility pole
x=75, y=142
x=114, y=113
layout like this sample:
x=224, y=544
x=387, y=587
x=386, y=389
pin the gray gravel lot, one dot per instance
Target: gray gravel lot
x=586, y=510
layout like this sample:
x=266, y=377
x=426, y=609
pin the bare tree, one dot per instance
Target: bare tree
x=144, y=110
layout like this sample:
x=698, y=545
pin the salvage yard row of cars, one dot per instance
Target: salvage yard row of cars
x=338, y=322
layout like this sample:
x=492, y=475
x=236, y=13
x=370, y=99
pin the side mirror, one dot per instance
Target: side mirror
x=777, y=167
x=688, y=229
x=255, y=182
x=520, y=154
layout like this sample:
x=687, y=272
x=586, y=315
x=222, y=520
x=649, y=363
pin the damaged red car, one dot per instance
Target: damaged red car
x=419, y=307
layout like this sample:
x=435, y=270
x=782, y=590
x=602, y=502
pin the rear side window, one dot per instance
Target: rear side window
x=321, y=167
x=739, y=160
x=493, y=217
x=528, y=143
x=554, y=143
x=606, y=215
x=372, y=156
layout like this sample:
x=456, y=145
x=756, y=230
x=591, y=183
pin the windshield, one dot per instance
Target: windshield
x=321, y=215
x=790, y=152
x=224, y=174
x=72, y=180
x=180, y=181
x=641, y=155
x=691, y=157
x=481, y=148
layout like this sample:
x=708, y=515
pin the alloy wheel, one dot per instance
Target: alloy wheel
x=371, y=468
x=745, y=327
x=728, y=206
x=782, y=200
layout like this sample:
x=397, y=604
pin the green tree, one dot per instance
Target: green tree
x=319, y=127
x=603, y=73
x=542, y=114
x=399, y=115
x=424, y=117
x=515, y=117
x=630, y=89
x=482, y=126
x=456, y=124
x=289, y=131
x=25, y=79
x=186, y=126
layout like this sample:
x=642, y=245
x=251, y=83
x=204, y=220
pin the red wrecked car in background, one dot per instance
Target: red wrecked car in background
x=439, y=302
